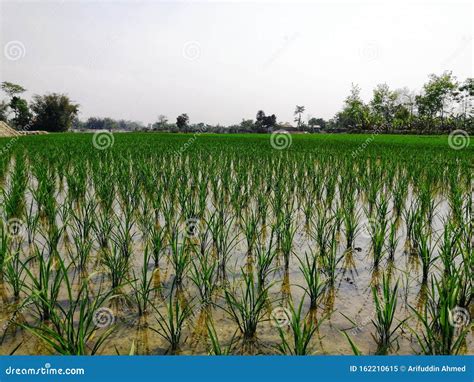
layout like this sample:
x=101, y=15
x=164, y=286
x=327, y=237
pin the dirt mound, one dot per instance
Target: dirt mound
x=7, y=131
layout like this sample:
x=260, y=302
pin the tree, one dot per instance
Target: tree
x=247, y=125
x=54, y=112
x=437, y=96
x=299, y=110
x=317, y=122
x=12, y=89
x=161, y=123
x=182, y=121
x=18, y=105
x=355, y=113
x=265, y=123
x=464, y=97
x=382, y=106
x=4, y=111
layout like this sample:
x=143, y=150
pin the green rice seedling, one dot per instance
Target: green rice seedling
x=315, y=286
x=448, y=250
x=378, y=230
x=323, y=230
x=264, y=258
x=247, y=306
x=171, y=324
x=204, y=275
x=354, y=347
x=14, y=197
x=439, y=334
x=124, y=234
x=142, y=286
x=102, y=227
x=392, y=241
x=72, y=328
x=116, y=264
x=31, y=221
x=216, y=347
x=330, y=259
x=249, y=226
x=287, y=231
x=224, y=240
x=351, y=225
x=157, y=239
x=45, y=286
x=302, y=331
x=180, y=257
x=4, y=245
x=14, y=273
x=385, y=309
x=422, y=237
x=399, y=195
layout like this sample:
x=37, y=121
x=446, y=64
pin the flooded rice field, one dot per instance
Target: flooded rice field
x=235, y=246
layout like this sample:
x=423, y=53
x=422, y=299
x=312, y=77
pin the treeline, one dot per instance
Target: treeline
x=443, y=104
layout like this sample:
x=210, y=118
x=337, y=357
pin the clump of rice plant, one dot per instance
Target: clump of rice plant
x=15, y=273
x=204, y=275
x=172, y=322
x=142, y=286
x=440, y=334
x=315, y=285
x=385, y=309
x=117, y=266
x=264, y=258
x=72, y=329
x=246, y=307
x=301, y=330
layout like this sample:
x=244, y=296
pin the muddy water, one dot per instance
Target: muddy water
x=347, y=306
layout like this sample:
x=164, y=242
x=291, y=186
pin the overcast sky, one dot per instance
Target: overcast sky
x=222, y=61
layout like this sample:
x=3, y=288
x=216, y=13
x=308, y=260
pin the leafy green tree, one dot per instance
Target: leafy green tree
x=464, y=97
x=182, y=121
x=383, y=106
x=265, y=123
x=437, y=97
x=247, y=125
x=4, y=111
x=18, y=105
x=53, y=112
x=355, y=113
x=161, y=124
x=299, y=110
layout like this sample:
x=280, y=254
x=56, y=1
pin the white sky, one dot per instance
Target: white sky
x=222, y=61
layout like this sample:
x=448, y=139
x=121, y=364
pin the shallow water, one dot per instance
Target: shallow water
x=347, y=306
